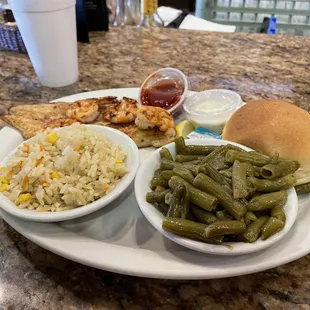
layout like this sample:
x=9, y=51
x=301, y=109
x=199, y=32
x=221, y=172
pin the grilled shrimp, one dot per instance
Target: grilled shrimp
x=124, y=111
x=84, y=111
x=149, y=117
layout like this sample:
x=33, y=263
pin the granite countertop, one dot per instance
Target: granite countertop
x=256, y=66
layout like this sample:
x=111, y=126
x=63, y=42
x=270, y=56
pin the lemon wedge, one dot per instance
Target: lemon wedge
x=184, y=128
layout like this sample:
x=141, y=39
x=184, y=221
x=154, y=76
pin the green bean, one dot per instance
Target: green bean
x=278, y=212
x=235, y=148
x=175, y=202
x=267, y=201
x=157, y=173
x=244, y=202
x=199, y=149
x=234, y=207
x=249, y=217
x=215, y=175
x=262, y=213
x=272, y=171
x=263, y=156
x=152, y=197
x=252, y=171
x=229, y=181
x=159, y=189
x=168, y=198
x=179, y=171
x=197, y=197
x=252, y=159
x=251, y=188
x=221, y=150
x=185, y=158
x=184, y=174
x=180, y=146
x=166, y=164
x=185, y=203
x=165, y=153
x=162, y=208
x=190, y=216
x=226, y=173
x=193, y=162
x=188, y=229
x=271, y=227
x=253, y=230
x=183, y=149
x=223, y=215
x=219, y=162
x=273, y=185
x=167, y=174
x=239, y=181
x=158, y=181
x=228, y=227
x=203, y=216
x=302, y=188
x=275, y=158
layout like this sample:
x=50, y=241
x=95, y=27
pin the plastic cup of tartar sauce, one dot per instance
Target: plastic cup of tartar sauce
x=211, y=109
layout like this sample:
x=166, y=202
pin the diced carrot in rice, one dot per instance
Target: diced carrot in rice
x=25, y=183
x=26, y=148
x=10, y=173
x=38, y=162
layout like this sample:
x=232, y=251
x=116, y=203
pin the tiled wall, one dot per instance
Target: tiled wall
x=293, y=17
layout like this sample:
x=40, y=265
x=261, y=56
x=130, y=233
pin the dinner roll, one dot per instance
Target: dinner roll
x=271, y=126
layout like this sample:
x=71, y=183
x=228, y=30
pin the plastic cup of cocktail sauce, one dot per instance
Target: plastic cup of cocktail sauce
x=166, y=88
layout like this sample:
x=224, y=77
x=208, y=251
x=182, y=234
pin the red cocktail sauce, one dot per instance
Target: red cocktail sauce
x=164, y=93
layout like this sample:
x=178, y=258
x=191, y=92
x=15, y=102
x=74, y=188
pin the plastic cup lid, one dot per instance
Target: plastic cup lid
x=39, y=5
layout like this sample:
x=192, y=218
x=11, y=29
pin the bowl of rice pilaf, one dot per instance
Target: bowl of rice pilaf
x=68, y=172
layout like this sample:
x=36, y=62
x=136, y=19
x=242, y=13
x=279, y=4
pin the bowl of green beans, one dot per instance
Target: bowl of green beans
x=216, y=196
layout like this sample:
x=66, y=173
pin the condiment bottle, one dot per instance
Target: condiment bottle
x=6, y=13
x=149, y=16
x=125, y=13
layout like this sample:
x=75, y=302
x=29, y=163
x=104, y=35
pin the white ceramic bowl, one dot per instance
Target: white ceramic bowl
x=143, y=178
x=132, y=163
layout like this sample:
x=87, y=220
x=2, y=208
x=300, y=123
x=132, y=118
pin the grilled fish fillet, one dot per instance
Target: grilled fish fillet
x=30, y=119
x=143, y=138
x=29, y=127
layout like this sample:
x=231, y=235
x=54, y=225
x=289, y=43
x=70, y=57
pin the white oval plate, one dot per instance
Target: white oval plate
x=132, y=163
x=118, y=238
x=145, y=174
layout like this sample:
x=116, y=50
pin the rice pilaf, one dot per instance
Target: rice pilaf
x=62, y=169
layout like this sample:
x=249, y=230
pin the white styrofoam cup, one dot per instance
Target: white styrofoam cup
x=48, y=29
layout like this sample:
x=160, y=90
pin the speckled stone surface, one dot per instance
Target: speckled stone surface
x=256, y=66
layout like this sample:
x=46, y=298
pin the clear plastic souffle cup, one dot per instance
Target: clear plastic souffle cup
x=166, y=88
x=211, y=109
